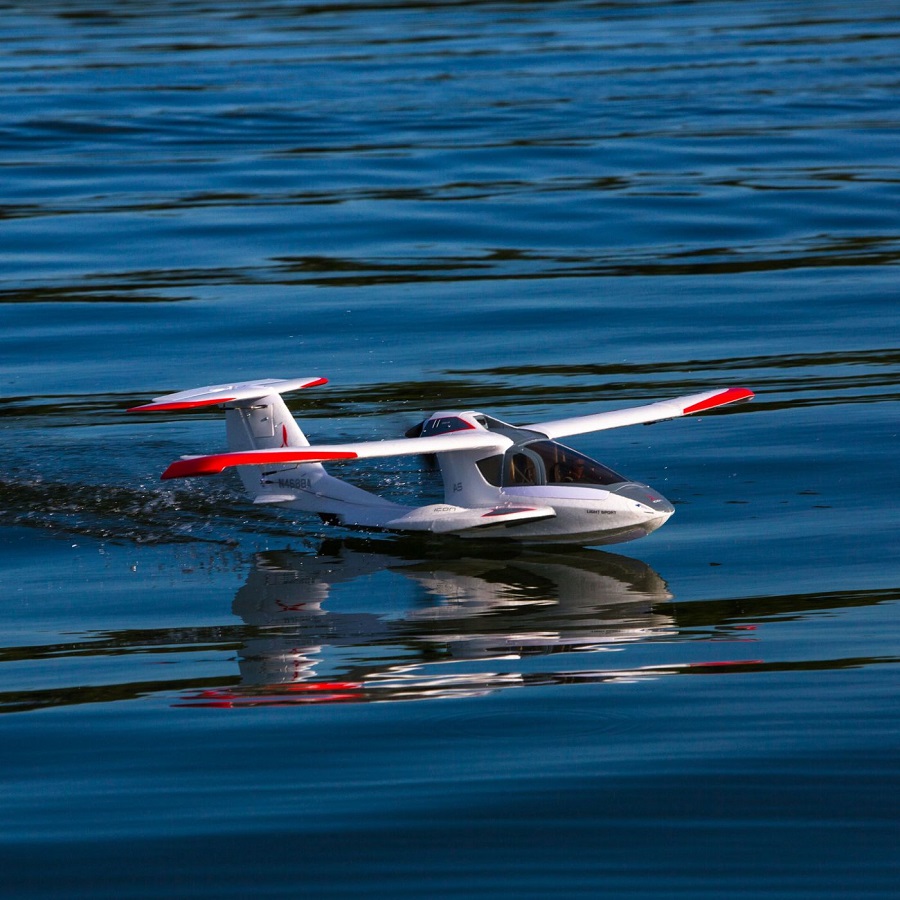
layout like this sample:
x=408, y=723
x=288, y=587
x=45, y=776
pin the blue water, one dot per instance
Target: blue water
x=534, y=210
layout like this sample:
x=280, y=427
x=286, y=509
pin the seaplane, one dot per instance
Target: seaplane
x=512, y=482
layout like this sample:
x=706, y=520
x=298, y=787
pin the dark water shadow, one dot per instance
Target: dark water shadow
x=382, y=620
x=485, y=622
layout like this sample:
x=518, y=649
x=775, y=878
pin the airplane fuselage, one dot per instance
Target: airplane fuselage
x=526, y=488
x=500, y=480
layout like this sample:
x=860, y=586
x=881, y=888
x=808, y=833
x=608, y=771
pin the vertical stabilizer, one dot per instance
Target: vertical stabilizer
x=264, y=424
x=256, y=418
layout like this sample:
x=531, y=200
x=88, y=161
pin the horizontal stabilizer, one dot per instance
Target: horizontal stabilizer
x=215, y=394
x=642, y=415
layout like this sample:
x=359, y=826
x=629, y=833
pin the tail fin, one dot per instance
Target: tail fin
x=256, y=418
x=262, y=423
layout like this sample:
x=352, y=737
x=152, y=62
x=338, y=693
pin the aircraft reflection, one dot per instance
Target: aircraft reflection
x=477, y=623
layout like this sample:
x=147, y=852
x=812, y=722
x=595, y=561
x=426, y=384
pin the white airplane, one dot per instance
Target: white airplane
x=500, y=480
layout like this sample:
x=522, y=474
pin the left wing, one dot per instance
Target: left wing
x=638, y=415
x=285, y=456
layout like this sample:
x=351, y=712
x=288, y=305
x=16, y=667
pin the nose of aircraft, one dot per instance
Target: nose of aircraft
x=656, y=504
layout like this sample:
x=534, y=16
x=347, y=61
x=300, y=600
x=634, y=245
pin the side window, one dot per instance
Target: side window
x=567, y=466
x=491, y=468
x=522, y=468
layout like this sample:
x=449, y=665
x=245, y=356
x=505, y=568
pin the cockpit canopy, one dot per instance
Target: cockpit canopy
x=532, y=460
x=546, y=462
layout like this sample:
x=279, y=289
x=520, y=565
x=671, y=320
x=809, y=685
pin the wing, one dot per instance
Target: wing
x=638, y=415
x=284, y=456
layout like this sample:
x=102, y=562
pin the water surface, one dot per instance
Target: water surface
x=534, y=210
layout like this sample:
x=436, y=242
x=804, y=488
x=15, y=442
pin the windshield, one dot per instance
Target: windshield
x=546, y=462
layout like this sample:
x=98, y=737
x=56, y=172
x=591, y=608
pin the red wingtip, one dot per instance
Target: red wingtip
x=732, y=395
x=185, y=468
x=218, y=462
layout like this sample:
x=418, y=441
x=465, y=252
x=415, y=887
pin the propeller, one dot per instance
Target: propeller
x=429, y=460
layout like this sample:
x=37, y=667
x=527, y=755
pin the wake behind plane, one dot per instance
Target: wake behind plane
x=500, y=480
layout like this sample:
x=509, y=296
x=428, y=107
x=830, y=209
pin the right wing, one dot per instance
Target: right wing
x=285, y=456
x=641, y=415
